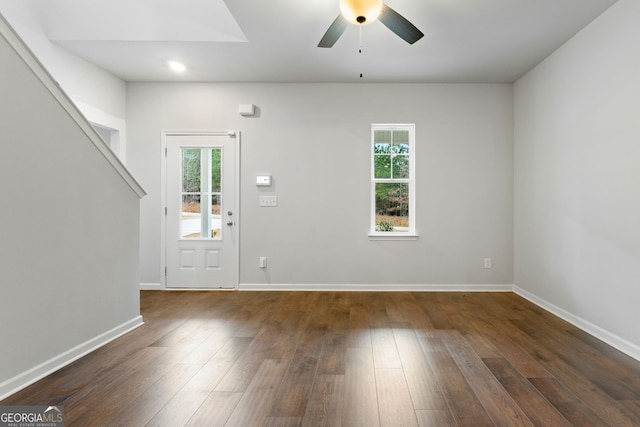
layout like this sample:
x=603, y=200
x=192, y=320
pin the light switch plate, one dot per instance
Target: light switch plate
x=268, y=201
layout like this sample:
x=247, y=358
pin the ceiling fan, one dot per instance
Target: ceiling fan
x=362, y=12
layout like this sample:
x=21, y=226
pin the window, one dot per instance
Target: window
x=201, y=193
x=392, y=180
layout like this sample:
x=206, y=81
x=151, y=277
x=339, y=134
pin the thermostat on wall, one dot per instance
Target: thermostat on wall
x=263, y=180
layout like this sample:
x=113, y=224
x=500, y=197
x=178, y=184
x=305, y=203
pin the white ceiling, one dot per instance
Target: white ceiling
x=466, y=41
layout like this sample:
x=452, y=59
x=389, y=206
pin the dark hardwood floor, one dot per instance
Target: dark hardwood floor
x=345, y=359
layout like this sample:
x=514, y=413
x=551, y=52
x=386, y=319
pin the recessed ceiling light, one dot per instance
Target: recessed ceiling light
x=177, y=67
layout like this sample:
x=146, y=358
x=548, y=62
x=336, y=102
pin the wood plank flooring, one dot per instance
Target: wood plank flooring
x=345, y=359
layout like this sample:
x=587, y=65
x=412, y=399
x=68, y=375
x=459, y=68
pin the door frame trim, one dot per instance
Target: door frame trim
x=235, y=134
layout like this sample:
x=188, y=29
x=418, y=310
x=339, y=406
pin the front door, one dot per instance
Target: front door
x=201, y=213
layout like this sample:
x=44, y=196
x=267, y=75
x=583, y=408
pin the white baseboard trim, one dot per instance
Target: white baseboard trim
x=151, y=287
x=613, y=340
x=20, y=381
x=374, y=287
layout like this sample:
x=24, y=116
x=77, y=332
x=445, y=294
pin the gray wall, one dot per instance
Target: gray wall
x=314, y=139
x=100, y=95
x=68, y=233
x=85, y=82
x=577, y=163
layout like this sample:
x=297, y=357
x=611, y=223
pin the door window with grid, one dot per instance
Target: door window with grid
x=201, y=193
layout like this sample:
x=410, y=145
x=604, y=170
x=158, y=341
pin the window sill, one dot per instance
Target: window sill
x=393, y=236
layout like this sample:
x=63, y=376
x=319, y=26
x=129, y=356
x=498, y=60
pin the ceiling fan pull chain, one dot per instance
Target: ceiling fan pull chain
x=360, y=50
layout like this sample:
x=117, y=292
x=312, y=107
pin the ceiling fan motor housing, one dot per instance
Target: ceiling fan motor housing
x=360, y=11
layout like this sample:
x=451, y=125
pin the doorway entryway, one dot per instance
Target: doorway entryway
x=201, y=213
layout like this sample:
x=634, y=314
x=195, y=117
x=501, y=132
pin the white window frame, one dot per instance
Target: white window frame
x=394, y=235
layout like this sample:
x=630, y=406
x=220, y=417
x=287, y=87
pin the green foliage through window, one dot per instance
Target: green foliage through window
x=191, y=170
x=201, y=199
x=391, y=154
x=392, y=178
x=216, y=169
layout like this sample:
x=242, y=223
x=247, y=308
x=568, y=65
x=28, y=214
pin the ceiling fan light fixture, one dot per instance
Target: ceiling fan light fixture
x=360, y=11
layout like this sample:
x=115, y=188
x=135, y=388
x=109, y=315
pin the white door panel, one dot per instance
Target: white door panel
x=201, y=215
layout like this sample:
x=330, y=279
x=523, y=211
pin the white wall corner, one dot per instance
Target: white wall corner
x=99, y=117
x=613, y=340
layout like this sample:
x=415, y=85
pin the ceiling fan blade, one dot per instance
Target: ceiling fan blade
x=399, y=25
x=334, y=32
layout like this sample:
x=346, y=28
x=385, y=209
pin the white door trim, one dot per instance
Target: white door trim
x=163, y=197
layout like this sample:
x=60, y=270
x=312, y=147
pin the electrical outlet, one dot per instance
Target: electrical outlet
x=268, y=201
x=487, y=263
